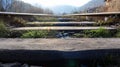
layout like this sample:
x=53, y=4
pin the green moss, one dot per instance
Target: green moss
x=35, y=34
x=101, y=32
x=118, y=33
x=3, y=30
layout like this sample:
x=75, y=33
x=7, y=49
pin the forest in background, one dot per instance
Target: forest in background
x=106, y=6
x=20, y=6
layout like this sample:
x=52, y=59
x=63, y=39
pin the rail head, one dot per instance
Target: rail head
x=51, y=15
x=95, y=14
x=25, y=14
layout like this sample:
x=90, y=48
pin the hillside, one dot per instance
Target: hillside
x=92, y=4
x=20, y=6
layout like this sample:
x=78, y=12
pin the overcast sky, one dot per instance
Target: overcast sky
x=53, y=3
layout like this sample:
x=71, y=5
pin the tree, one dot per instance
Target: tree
x=5, y=5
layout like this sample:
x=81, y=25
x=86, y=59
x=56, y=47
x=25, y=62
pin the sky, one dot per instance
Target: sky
x=53, y=3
